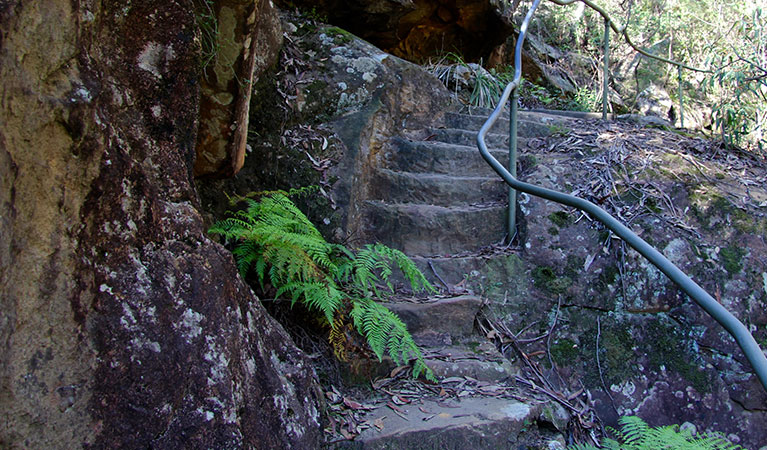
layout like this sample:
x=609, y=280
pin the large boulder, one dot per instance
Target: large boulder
x=122, y=324
x=614, y=323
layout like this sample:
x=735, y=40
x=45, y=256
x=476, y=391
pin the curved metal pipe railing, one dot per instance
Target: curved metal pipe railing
x=739, y=332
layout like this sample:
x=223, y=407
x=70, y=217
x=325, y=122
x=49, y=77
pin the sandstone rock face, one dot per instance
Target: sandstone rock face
x=246, y=41
x=346, y=99
x=122, y=324
x=417, y=30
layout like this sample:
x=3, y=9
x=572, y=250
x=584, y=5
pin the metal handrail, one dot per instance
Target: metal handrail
x=739, y=332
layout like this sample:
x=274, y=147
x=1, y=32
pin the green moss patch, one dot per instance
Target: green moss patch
x=564, y=351
x=546, y=279
x=669, y=347
x=560, y=218
x=732, y=259
x=616, y=354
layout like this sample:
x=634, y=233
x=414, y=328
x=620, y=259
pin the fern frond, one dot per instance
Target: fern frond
x=633, y=430
x=275, y=238
x=635, y=434
x=337, y=338
x=316, y=295
x=385, y=332
x=246, y=254
x=715, y=442
x=364, y=273
x=413, y=275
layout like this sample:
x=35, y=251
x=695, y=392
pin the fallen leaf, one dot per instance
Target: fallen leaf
x=453, y=380
x=397, y=370
x=347, y=435
x=355, y=405
x=332, y=397
x=399, y=400
x=448, y=405
x=394, y=407
x=575, y=394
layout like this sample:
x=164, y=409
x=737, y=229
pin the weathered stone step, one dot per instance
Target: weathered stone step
x=465, y=423
x=419, y=229
x=448, y=320
x=482, y=361
x=444, y=328
x=474, y=122
x=498, y=140
x=528, y=125
x=440, y=157
x=436, y=189
x=455, y=271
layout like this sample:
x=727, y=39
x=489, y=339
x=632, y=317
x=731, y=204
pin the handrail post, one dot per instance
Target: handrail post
x=681, y=97
x=512, y=218
x=606, y=69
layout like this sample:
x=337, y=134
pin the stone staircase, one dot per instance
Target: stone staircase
x=437, y=196
x=437, y=200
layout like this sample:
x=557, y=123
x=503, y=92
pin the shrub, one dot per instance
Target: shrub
x=275, y=239
x=635, y=434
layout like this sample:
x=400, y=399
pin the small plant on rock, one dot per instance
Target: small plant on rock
x=273, y=237
x=635, y=434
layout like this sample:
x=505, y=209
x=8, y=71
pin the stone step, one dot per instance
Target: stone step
x=540, y=114
x=474, y=121
x=445, y=320
x=435, y=189
x=467, y=272
x=453, y=269
x=480, y=361
x=499, y=140
x=529, y=124
x=463, y=423
x=440, y=157
x=419, y=229
x=444, y=329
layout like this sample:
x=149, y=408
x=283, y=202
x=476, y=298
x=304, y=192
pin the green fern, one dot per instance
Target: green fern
x=635, y=434
x=275, y=239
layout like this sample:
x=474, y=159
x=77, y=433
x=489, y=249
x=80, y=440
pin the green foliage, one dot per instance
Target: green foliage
x=732, y=257
x=585, y=99
x=740, y=84
x=534, y=92
x=483, y=88
x=275, y=239
x=207, y=23
x=727, y=36
x=635, y=434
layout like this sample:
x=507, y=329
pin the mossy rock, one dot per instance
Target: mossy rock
x=560, y=218
x=732, y=258
x=546, y=279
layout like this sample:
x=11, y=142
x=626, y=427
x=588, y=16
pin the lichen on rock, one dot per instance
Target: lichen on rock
x=123, y=325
